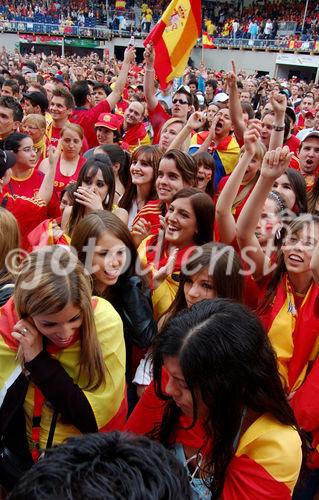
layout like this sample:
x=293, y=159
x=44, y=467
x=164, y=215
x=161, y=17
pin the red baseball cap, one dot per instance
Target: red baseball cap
x=109, y=120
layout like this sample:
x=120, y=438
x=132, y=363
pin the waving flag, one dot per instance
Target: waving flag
x=207, y=41
x=120, y=4
x=173, y=38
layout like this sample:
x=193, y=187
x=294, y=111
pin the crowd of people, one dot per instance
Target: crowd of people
x=159, y=272
x=220, y=19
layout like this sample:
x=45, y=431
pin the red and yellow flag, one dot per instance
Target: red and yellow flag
x=173, y=38
x=207, y=41
x=120, y=4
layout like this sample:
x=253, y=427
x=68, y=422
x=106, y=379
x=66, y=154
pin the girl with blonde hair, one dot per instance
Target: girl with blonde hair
x=69, y=375
x=71, y=161
x=35, y=126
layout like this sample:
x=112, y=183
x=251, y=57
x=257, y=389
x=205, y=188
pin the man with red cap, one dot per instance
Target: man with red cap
x=107, y=129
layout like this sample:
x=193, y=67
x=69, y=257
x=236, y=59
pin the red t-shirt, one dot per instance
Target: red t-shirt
x=29, y=188
x=293, y=144
x=55, y=136
x=62, y=180
x=87, y=118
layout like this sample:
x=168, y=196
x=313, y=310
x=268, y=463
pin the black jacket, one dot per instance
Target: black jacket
x=133, y=303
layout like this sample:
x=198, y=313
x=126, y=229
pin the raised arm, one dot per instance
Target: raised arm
x=235, y=110
x=149, y=77
x=279, y=104
x=115, y=96
x=224, y=218
x=194, y=122
x=210, y=137
x=46, y=190
x=274, y=164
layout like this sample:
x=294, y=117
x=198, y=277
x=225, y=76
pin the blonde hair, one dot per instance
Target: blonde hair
x=49, y=280
x=38, y=120
x=260, y=150
x=73, y=127
x=9, y=240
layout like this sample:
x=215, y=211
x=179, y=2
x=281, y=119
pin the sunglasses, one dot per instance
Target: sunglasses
x=179, y=101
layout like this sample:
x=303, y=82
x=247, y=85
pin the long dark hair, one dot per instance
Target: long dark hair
x=217, y=356
x=227, y=281
x=118, y=155
x=88, y=171
x=152, y=155
x=298, y=185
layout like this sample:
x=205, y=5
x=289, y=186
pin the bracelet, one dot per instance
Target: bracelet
x=149, y=70
x=278, y=128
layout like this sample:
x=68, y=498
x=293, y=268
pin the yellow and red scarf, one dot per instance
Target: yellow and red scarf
x=294, y=333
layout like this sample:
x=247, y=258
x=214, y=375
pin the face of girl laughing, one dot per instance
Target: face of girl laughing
x=142, y=172
x=204, y=175
x=60, y=328
x=108, y=261
x=181, y=223
x=298, y=248
x=168, y=181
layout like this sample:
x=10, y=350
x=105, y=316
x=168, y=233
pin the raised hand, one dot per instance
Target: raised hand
x=279, y=103
x=276, y=162
x=129, y=55
x=54, y=154
x=231, y=77
x=212, y=130
x=165, y=271
x=251, y=136
x=140, y=230
x=196, y=120
x=149, y=55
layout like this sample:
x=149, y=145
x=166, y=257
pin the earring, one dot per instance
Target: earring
x=278, y=234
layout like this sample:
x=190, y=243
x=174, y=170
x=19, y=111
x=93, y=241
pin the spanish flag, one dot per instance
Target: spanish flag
x=120, y=4
x=207, y=41
x=174, y=37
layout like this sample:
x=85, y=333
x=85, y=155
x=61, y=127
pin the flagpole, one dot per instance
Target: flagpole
x=202, y=49
x=304, y=17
